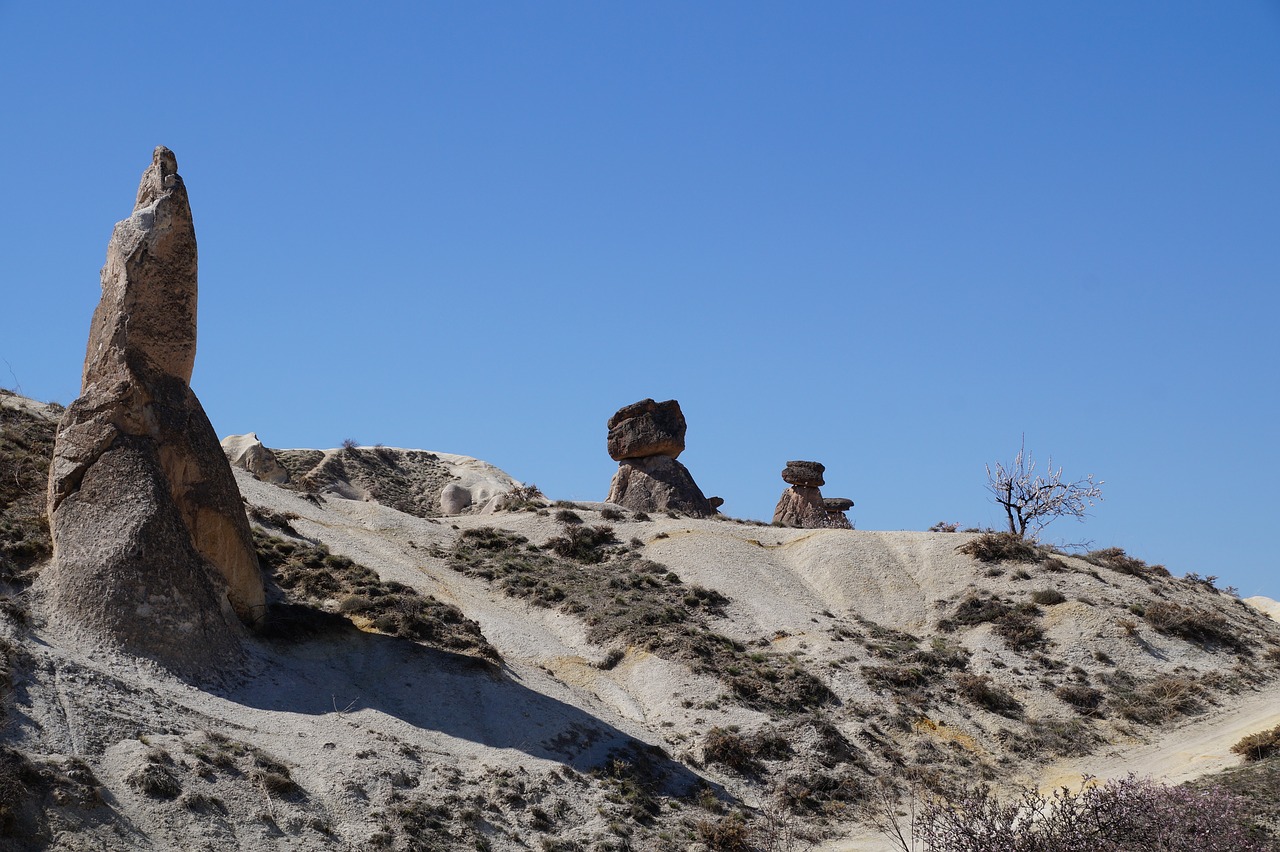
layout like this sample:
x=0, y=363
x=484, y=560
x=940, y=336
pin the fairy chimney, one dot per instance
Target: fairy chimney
x=152, y=550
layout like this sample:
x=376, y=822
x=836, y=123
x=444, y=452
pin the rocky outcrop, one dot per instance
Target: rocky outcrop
x=647, y=428
x=807, y=474
x=645, y=438
x=454, y=499
x=152, y=549
x=248, y=453
x=802, y=504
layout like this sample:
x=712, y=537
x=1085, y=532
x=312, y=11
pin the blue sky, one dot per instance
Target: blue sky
x=891, y=237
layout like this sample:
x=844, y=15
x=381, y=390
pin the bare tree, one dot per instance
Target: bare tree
x=1031, y=501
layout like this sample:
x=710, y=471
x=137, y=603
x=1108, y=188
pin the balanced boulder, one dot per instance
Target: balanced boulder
x=152, y=550
x=645, y=438
x=647, y=428
x=802, y=504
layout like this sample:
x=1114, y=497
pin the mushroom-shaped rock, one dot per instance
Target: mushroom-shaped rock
x=248, y=453
x=804, y=473
x=715, y=503
x=647, y=428
x=657, y=484
x=152, y=549
x=837, y=504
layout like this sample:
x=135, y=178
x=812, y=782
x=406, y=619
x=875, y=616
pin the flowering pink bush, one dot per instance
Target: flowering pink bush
x=1128, y=815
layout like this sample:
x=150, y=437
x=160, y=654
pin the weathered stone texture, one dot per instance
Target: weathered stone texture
x=152, y=549
x=657, y=484
x=249, y=453
x=647, y=428
x=804, y=473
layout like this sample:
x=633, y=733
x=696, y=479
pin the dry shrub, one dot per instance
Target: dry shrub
x=308, y=575
x=1192, y=623
x=1016, y=624
x=1115, y=559
x=1048, y=597
x=582, y=543
x=727, y=834
x=1085, y=699
x=1259, y=746
x=155, y=781
x=980, y=691
x=1001, y=547
x=1159, y=700
x=743, y=753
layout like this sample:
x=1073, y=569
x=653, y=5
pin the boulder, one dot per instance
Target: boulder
x=804, y=473
x=657, y=484
x=248, y=453
x=647, y=428
x=837, y=504
x=454, y=498
x=152, y=549
x=715, y=503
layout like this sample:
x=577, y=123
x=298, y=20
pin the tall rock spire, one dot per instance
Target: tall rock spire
x=152, y=550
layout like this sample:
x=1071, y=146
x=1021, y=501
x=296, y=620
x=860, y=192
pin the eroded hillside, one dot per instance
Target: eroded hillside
x=582, y=676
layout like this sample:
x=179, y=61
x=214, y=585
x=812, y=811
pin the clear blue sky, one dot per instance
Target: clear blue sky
x=892, y=237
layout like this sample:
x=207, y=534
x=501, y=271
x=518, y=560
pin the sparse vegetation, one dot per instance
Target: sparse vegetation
x=1115, y=559
x=979, y=691
x=1192, y=623
x=1152, y=702
x=1015, y=623
x=1000, y=547
x=744, y=753
x=308, y=575
x=1127, y=814
x=626, y=598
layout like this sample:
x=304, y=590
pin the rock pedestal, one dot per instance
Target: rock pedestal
x=645, y=438
x=802, y=504
x=152, y=549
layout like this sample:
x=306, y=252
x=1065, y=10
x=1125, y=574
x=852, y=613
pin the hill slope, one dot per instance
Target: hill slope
x=579, y=675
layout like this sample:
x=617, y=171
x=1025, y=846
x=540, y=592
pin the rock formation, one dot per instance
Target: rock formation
x=645, y=438
x=248, y=453
x=802, y=505
x=152, y=549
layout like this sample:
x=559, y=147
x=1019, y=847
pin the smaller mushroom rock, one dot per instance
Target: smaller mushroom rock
x=837, y=504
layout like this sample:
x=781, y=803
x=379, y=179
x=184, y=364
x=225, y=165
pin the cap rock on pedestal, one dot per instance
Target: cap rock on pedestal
x=645, y=438
x=152, y=550
x=802, y=505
